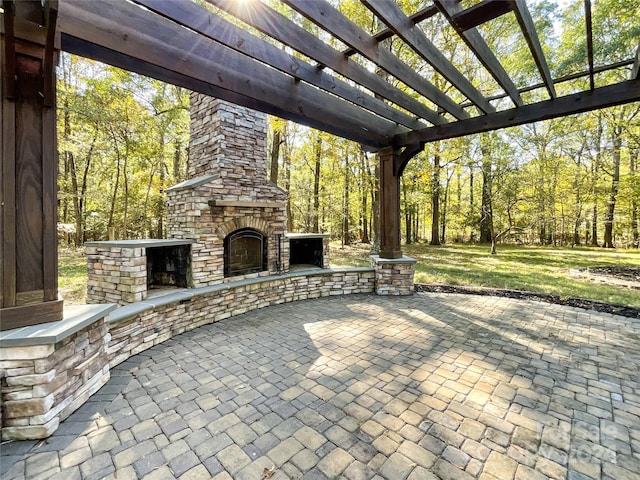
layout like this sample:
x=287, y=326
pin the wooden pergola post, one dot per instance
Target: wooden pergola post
x=28, y=196
x=394, y=272
x=389, y=204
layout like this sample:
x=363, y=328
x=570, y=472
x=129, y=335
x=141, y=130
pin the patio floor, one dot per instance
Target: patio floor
x=359, y=387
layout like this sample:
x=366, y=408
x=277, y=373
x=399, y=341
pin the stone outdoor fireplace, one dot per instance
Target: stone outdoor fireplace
x=225, y=222
x=236, y=217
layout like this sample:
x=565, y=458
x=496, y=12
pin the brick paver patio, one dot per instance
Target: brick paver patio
x=359, y=387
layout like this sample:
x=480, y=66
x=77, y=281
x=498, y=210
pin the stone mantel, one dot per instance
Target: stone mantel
x=142, y=243
x=247, y=203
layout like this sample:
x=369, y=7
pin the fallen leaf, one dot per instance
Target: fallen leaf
x=268, y=473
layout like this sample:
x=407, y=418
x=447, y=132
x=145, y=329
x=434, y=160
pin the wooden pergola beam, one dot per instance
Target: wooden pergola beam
x=391, y=14
x=481, y=13
x=330, y=19
x=118, y=25
x=215, y=28
x=611, y=95
x=531, y=36
x=479, y=47
x=278, y=27
x=385, y=33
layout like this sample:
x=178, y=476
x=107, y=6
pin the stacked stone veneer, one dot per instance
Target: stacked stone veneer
x=43, y=384
x=227, y=164
x=138, y=327
x=116, y=274
x=394, y=276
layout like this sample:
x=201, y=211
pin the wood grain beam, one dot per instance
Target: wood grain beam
x=481, y=13
x=278, y=27
x=9, y=56
x=118, y=25
x=329, y=18
x=616, y=94
x=215, y=28
x=479, y=47
x=531, y=36
x=391, y=14
x=385, y=33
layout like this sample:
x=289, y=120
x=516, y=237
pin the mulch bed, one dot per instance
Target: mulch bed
x=542, y=297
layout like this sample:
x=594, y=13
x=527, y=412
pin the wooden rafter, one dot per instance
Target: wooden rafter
x=275, y=25
x=531, y=36
x=330, y=19
x=391, y=14
x=215, y=28
x=118, y=25
x=611, y=95
x=481, y=13
x=385, y=33
x=8, y=19
x=479, y=47
x=589, y=31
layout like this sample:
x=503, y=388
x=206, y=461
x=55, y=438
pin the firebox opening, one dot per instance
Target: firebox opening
x=168, y=266
x=245, y=252
x=306, y=251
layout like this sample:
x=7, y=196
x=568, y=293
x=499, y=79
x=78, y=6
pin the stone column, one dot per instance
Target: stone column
x=394, y=276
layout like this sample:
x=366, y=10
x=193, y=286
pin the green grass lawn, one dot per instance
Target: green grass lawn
x=536, y=269
x=72, y=276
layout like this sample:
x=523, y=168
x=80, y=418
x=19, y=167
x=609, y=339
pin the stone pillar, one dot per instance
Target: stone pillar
x=115, y=274
x=49, y=372
x=28, y=167
x=394, y=276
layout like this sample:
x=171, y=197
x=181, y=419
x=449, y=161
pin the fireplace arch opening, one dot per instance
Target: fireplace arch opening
x=245, y=252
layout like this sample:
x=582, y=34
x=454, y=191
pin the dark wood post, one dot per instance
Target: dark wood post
x=28, y=239
x=389, y=204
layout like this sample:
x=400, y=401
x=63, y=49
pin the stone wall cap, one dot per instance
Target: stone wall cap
x=75, y=318
x=404, y=259
x=247, y=203
x=142, y=243
x=192, y=183
x=133, y=309
x=306, y=235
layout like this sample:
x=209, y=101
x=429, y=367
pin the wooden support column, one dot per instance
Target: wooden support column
x=389, y=204
x=28, y=239
x=392, y=164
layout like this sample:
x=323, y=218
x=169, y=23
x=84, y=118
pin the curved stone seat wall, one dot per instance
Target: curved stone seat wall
x=50, y=370
x=139, y=326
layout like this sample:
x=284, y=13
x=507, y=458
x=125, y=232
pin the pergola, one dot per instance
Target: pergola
x=359, y=90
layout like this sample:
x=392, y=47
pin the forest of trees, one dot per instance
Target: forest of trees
x=123, y=139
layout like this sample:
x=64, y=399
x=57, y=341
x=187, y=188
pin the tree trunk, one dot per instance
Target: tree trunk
x=346, y=240
x=177, y=160
x=364, y=183
x=375, y=207
x=613, y=192
x=486, y=214
x=634, y=155
x=287, y=183
x=435, y=197
x=316, y=184
x=275, y=155
x=595, y=169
